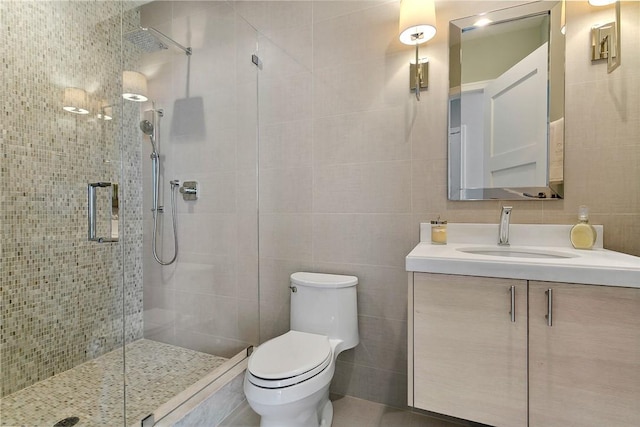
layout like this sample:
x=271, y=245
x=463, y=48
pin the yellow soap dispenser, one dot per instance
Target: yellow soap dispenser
x=583, y=235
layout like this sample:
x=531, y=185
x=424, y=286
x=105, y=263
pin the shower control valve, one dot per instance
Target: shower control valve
x=189, y=190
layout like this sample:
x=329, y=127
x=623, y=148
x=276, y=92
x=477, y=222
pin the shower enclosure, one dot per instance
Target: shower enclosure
x=84, y=304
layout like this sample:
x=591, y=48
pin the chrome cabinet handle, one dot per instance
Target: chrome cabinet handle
x=513, y=304
x=549, y=315
x=93, y=216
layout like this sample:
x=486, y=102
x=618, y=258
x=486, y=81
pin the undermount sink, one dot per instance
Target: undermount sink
x=540, y=252
x=498, y=251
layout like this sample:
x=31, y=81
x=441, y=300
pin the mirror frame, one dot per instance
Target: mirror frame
x=555, y=103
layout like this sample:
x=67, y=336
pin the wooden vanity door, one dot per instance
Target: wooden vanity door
x=470, y=359
x=585, y=367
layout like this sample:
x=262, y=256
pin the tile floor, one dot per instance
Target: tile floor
x=352, y=412
x=93, y=391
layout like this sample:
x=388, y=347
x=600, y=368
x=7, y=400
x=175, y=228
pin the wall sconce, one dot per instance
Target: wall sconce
x=605, y=38
x=419, y=73
x=417, y=26
x=75, y=100
x=134, y=86
x=106, y=113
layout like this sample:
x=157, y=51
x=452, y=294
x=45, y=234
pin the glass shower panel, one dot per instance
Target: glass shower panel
x=202, y=309
x=62, y=295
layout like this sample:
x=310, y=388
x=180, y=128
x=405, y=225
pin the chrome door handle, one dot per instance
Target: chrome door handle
x=93, y=215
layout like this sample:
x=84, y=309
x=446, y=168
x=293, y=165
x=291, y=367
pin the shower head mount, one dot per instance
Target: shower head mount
x=149, y=40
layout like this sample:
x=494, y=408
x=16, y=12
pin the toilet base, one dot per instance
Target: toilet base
x=326, y=415
x=319, y=414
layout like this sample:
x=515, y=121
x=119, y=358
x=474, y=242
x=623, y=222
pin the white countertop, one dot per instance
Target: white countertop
x=597, y=266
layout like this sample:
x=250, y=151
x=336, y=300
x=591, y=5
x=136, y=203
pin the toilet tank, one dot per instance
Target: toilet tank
x=326, y=304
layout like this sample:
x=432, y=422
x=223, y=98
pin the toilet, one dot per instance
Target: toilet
x=288, y=377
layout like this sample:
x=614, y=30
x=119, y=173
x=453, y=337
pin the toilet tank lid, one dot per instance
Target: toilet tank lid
x=322, y=280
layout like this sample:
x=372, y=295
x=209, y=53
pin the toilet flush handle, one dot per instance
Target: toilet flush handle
x=293, y=289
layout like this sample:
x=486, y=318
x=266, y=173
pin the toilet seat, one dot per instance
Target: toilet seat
x=289, y=359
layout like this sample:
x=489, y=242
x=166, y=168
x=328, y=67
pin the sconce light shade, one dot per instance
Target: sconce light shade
x=134, y=86
x=417, y=21
x=601, y=2
x=75, y=100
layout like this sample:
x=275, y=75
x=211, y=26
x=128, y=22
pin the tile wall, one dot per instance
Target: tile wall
x=61, y=295
x=350, y=163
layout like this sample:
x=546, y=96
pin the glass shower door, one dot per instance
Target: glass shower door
x=62, y=294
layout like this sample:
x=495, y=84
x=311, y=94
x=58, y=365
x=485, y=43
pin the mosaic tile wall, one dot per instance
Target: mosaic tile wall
x=61, y=296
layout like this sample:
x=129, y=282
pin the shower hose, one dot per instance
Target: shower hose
x=174, y=185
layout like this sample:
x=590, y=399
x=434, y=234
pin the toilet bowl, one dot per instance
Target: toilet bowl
x=288, y=377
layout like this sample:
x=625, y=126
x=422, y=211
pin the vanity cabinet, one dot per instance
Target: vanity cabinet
x=584, y=369
x=469, y=354
x=469, y=358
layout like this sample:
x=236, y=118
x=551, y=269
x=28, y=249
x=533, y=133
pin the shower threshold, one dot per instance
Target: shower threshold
x=93, y=391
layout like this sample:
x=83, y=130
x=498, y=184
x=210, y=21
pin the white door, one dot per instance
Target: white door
x=515, y=131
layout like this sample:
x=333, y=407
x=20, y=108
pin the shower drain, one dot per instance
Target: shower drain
x=67, y=422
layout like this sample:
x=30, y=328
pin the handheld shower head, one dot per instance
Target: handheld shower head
x=146, y=127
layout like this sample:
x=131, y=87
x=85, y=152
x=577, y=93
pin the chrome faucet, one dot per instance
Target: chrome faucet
x=503, y=231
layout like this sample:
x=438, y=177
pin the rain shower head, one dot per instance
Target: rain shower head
x=145, y=40
x=151, y=40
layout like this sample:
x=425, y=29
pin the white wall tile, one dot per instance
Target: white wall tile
x=369, y=383
x=382, y=187
x=285, y=190
x=216, y=193
x=383, y=344
x=285, y=236
x=323, y=10
x=343, y=88
x=215, y=277
x=286, y=52
x=271, y=16
x=207, y=314
x=376, y=239
x=359, y=137
x=283, y=99
x=286, y=144
x=153, y=14
x=382, y=291
x=208, y=233
x=370, y=33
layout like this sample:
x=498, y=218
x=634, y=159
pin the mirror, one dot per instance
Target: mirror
x=506, y=104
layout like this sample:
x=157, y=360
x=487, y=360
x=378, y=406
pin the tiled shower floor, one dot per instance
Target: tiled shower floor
x=93, y=391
